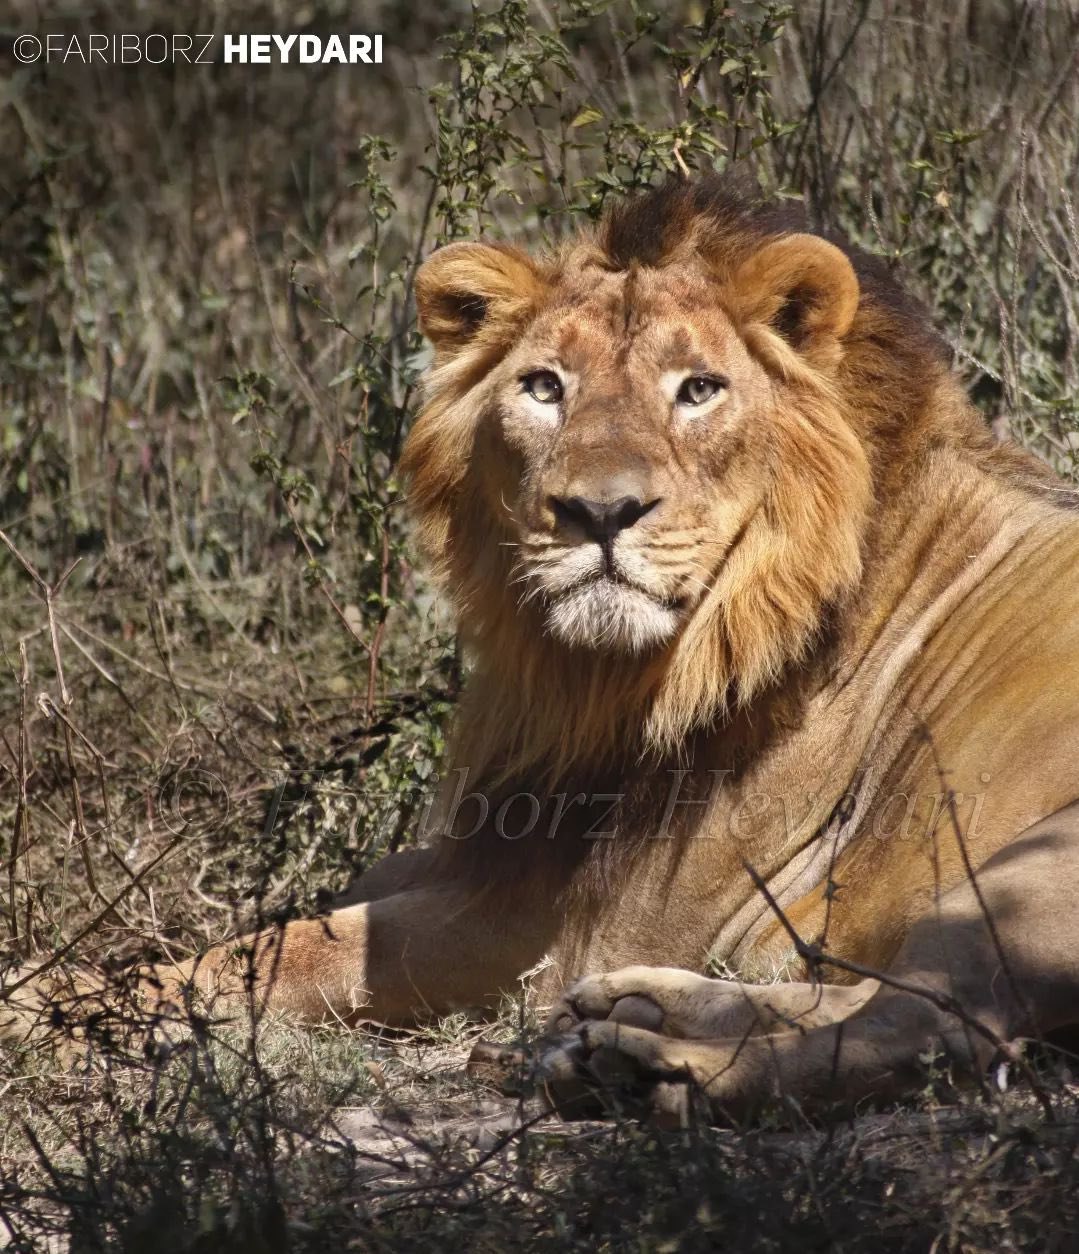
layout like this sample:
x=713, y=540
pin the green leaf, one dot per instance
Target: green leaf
x=586, y=116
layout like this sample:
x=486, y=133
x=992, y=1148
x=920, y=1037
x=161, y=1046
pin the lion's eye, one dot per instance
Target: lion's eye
x=544, y=386
x=698, y=389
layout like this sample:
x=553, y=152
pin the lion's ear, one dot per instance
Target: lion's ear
x=800, y=286
x=463, y=288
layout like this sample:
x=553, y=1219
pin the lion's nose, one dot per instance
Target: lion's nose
x=600, y=520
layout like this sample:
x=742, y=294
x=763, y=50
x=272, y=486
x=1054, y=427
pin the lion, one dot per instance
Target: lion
x=774, y=671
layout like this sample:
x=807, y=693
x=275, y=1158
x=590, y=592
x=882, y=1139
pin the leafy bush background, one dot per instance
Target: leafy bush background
x=208, y=362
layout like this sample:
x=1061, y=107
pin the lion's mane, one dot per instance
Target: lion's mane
x=539, y=714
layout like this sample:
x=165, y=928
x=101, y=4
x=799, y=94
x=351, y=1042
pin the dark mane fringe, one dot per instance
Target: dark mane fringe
x=647, y=229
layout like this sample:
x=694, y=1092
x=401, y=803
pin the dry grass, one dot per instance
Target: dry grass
x=207, y=362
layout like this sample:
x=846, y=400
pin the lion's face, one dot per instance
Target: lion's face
x=644, y=459
x=632, y=426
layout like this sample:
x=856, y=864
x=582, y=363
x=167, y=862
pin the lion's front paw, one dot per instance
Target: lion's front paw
x=618, y=997
x=611, y=1069
x=658, y=999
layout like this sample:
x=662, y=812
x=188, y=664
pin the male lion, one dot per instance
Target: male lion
x=775, y=665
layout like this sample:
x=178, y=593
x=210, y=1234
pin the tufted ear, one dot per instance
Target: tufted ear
x=464, y=288
x=801, y=287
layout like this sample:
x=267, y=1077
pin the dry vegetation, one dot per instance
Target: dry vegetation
x=224, y=686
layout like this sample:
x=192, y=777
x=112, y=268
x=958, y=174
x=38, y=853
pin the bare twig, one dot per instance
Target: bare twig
x=20, y=835
x=58, y=955
x=380, y=630
x=49, y=594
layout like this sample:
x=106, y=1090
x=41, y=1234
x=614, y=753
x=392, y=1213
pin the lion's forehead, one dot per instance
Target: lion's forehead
x=660, y=319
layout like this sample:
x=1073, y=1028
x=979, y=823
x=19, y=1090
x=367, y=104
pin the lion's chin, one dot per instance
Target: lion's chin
x=611, y=616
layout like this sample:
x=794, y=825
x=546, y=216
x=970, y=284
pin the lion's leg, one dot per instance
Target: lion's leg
x=682, y=1004
x=429, y=949
x=1015, y=976
x=426, y=950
